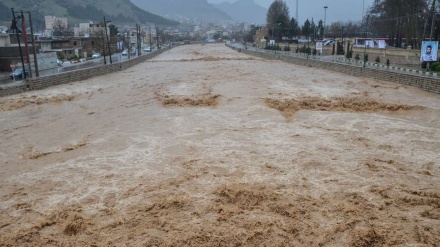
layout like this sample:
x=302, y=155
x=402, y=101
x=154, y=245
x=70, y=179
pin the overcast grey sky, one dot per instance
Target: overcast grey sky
x=338, y=10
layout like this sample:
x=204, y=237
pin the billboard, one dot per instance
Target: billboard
x=429, y=51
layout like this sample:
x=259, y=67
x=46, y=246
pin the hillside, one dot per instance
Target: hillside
x=118, y=11
x=188, y=9
x=244, y=11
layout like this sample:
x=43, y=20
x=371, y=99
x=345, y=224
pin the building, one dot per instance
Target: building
x=82, y=30
x=3, y=29
x=98, y=30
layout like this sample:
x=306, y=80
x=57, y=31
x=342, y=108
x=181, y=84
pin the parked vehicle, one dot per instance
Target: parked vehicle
x=327, y=42
x=18, y=73
x=124, y=53
x=147, y=49
x=96, y=55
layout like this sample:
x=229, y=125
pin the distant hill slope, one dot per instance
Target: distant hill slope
x=118, y=11
x=188, y=9
x=244, y=11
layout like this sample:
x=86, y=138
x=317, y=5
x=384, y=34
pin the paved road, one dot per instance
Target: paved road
x=5, y=81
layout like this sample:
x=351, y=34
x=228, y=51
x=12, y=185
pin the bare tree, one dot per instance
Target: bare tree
x=59, y=28
x=400, y=20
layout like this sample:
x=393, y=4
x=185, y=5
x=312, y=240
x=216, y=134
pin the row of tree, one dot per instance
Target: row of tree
x=404, y=22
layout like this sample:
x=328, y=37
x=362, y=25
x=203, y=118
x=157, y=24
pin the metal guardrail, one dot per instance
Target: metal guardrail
x=381, y=66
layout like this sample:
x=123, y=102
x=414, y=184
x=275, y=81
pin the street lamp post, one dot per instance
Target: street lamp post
x=108, y=42
x=365, y=41
x=37, y=73
x=325, y=18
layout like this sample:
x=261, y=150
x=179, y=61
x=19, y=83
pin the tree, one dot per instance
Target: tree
x=313, y=30
x=306, y=28
x=113, y=30
x=250, y=35
x=334, y=29
x=277, y=18
x=320, y=29
x=59, y=28
x=399, y=20
x=294, y=29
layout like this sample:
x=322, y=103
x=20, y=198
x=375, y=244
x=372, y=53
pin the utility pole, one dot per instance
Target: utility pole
x=23, y=32
x=14, y=27
x=108, y=42
x=297, y=11
x=325, y=18
x=365, y=42
x=37, y=73
x=157, y=37
x=129, y=44
x=150, y=38
x=103, y=46
x=433, y=19
x=138, y=31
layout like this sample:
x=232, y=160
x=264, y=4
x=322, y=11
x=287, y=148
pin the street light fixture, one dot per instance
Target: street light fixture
x=325, y=17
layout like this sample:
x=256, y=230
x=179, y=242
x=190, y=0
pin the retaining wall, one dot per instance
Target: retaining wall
x=77, y=75
x=425, y=83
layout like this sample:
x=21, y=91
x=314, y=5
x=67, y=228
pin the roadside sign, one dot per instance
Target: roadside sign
x=429, y=51
x=319, y=47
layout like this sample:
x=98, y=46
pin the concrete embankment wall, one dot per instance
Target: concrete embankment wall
x=426, y=83
x=77, y=75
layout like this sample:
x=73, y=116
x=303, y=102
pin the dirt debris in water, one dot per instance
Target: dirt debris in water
x=164, y=160
x=193, y=101
x=345, y=104
x=16, y=103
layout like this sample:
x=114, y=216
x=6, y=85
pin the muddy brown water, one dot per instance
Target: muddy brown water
x=204, y=146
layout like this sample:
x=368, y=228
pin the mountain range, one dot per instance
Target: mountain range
x=134, y=11
x=76, y=11
x=244, y=11
x=188, y=9
x=240, y=10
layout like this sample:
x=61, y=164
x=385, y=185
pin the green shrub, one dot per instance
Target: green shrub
x=377, y=60
x=72, y=58
x=314, y=52
x=349, y=54
x=388, y=63
x=437, y=68
x=433, y=66
x=357, y=57
x=366, y=57
x=286, y=48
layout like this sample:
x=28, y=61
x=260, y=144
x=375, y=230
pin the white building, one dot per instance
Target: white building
x=82, y=30
x=52, y=21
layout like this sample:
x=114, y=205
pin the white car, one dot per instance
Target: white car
x=147, y=49
x=124, y=53
x=96, y=55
